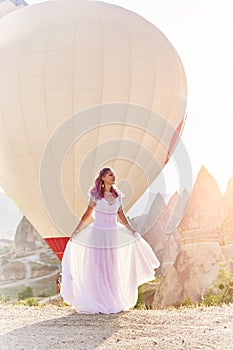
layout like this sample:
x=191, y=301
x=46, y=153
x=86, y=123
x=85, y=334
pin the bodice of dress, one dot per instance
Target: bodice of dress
x=105, y=213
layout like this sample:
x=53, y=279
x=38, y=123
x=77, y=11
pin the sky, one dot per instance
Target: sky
x=202, y=33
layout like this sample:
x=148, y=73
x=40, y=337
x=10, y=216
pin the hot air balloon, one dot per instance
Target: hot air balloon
x=7, y=6
x=84, y=84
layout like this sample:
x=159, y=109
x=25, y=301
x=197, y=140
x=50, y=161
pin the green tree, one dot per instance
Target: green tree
x=27, y=292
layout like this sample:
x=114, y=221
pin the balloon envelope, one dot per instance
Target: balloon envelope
x=83, y=85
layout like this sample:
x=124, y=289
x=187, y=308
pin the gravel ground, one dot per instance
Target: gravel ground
x=52, y=327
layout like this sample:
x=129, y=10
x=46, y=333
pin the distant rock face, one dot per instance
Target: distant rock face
x=27, y=239
x=175, y=211
x=145, y=223
x=206, y=240
x=201, y=252
x=191, y=237
x=206, y=210
x=160, y=228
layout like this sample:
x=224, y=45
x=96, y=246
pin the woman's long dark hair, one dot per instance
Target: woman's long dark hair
x=98, y=190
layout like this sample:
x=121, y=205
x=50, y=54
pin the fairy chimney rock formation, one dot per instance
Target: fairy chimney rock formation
x=178, y=211
x=198, y=261
x=205, y=212
x=144, y=223
x=27, y=239
x=174, y=211
x=154, y=233
x=201, y=251
x=155, y=212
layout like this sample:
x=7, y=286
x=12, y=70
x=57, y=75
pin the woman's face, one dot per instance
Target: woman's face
x=109, y=178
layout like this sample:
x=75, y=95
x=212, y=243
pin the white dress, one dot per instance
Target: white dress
x=105, y=263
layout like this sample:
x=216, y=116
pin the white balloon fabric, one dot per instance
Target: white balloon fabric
x=83, y=85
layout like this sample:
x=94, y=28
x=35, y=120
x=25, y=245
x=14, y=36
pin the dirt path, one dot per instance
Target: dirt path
x=52, y=327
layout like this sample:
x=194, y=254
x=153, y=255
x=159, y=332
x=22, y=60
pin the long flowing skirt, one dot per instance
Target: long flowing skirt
x=104, y=278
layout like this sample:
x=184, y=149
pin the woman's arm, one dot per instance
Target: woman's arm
x=84, y=218
x=124, y=220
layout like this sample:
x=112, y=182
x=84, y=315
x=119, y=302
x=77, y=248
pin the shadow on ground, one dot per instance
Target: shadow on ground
x=83, y=332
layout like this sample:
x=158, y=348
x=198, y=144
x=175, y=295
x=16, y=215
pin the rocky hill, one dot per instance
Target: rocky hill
x=201, y=239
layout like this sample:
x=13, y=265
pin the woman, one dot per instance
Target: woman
x=105, y=262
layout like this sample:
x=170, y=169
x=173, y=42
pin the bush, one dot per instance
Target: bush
x=188, y=302
x=212, y=300
x=28, y=302
x=140, y=305
x=222, y=287
x=26, y=293
x=4, y=299
x=146, y=289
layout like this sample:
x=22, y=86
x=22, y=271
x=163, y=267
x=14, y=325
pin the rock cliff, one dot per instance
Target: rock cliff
x=206, y=239
x=191, y=235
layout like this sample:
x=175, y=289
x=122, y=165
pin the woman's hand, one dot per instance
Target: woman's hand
x=130, y=228
x=74, y=234
x=133, y=230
